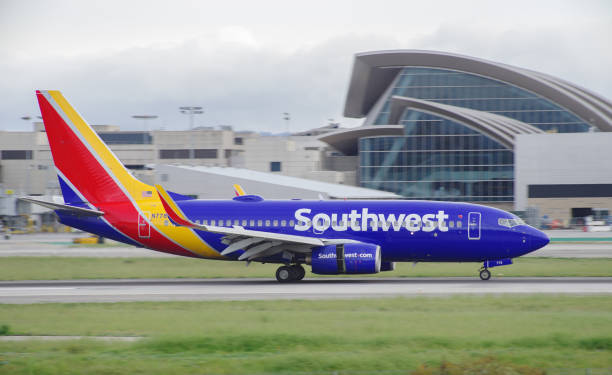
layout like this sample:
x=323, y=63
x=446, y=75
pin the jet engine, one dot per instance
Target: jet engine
x=350, y=258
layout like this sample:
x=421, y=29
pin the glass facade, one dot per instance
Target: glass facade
x=440, y=159
x=483, y=94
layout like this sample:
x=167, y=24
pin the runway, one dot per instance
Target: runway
x=24, y=292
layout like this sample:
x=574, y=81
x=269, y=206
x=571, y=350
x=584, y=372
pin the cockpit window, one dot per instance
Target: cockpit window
x=510, y=222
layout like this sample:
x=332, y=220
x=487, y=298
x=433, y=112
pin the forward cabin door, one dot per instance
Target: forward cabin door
x=474, y=219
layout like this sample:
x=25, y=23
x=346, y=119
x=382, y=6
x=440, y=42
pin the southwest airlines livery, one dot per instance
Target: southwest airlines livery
x=333, y=237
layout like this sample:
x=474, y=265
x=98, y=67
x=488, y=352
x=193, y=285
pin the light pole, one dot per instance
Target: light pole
x=287, y=118
x=191, y=111
x=144, y=118
x=28, y=118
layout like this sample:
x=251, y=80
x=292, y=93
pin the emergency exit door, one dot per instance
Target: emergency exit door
x=474, y=225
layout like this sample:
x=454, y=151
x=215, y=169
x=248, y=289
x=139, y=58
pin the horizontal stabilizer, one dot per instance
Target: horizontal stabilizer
x=56, y=206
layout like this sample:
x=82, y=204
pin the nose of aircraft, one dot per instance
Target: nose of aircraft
x=537, y=239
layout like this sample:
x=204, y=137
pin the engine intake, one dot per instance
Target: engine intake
x=350, y=258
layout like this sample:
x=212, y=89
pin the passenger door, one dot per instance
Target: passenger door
x=474, y=219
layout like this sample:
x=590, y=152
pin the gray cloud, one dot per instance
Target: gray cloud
x=247, y=75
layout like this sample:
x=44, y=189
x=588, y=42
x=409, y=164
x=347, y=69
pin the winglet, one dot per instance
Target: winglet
x=238, y=190
x=175, y=214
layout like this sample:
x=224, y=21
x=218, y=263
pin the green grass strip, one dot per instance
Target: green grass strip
x=359, y=336
x=58, y=268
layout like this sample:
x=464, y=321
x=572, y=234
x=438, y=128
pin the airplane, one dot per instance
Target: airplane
x=331, y=236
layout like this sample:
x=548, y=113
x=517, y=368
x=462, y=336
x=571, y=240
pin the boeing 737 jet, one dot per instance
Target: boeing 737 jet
x=333, y=237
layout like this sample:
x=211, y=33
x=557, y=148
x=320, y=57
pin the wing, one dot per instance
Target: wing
x=258, y=244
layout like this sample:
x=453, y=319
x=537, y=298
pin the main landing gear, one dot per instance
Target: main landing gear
x=485, y=274
x=287, y=274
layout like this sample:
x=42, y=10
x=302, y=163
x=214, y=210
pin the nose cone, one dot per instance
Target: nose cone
x=537, y=239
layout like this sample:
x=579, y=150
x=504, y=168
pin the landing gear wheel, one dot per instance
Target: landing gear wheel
x=485, y=274
x=284, y=274
x=299, y=272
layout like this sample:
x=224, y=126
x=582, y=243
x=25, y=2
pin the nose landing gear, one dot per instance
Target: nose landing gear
x=287, y=274
x=485, y=274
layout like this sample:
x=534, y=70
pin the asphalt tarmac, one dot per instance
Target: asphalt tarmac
x=24, y=292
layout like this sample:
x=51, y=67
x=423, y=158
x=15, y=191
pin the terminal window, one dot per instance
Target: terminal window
x=204, y=153
x=174, y=154
x=16, y=154
x=126, y=138
x=275, y=166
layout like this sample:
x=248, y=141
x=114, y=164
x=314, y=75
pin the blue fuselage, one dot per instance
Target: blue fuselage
x=404, y=230
x=424, y=231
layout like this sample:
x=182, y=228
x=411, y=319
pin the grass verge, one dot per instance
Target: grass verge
x=56, y=268
x=366, y=335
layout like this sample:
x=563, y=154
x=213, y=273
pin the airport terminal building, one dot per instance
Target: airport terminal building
x=444, y=126
x=436, y=126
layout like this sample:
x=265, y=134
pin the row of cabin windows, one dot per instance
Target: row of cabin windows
x=283, y=223
x=250, y=223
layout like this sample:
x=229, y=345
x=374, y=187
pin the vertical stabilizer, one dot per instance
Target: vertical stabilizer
x=88, y=170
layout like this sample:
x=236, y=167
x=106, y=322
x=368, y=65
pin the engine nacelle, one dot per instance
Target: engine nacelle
x=351, y=258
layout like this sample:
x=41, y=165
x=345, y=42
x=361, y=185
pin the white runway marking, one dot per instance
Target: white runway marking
x=258, y=289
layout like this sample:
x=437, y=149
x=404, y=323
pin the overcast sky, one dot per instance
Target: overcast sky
x=246, y=62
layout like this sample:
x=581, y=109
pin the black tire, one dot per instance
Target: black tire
x=299, y=272
x=485, y=274
x=284, y=274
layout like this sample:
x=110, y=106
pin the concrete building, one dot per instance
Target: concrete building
x=301, y=156
x=26, y=165
x=564, y=176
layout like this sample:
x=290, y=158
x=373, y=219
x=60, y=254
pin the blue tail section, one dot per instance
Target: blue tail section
x=70, y=196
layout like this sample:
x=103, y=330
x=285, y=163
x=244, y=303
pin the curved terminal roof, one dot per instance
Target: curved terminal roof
x=346, y=140
x=373, y=72
x=500, y=128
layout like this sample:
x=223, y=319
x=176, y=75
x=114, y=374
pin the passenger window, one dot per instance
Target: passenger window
x=267, y=223
x=236, y=222
x=212, y=222
x=166, y=223
x=275, y=223
x=451, y=224
x=283, y=223
x=259, y=223
x=291, y=223
x=252, y=223
x=459, y=225
x=221, y=222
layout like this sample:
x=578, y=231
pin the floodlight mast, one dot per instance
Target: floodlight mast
x=144, y=118
x=191, y=111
